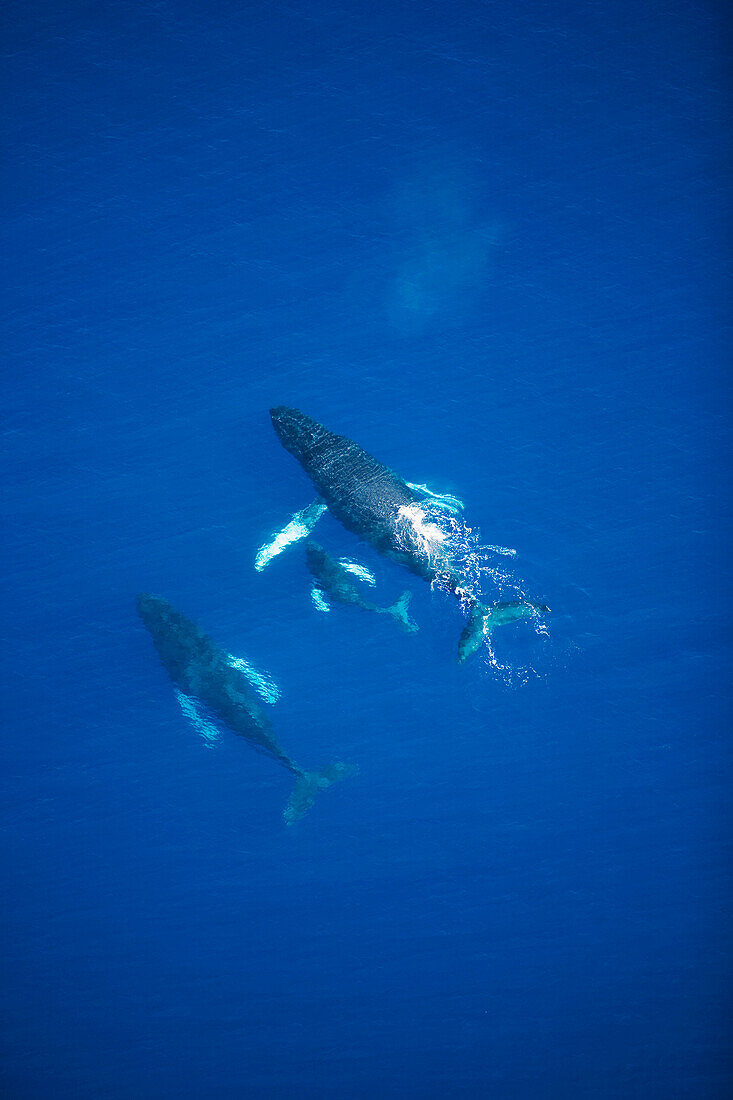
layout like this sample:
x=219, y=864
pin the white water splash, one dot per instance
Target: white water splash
x=506, y=551
x=428, y=533
x=511, y=674
x=487, y=576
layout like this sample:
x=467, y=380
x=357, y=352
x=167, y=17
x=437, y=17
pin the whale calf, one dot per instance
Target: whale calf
x=334, y=578
x=380, y=507
x=220, y=683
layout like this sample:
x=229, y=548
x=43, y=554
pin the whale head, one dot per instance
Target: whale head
x=161, y=617
x=152, y=609
x=297, y=432
x=179, y=641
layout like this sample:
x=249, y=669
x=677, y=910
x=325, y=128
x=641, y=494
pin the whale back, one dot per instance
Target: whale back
x=361, y=492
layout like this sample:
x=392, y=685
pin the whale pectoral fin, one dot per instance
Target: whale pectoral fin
x=191, y=710
x=440, y=500
x=319, y=600
x=262, y=682
x=358, y=570
x=297, y=528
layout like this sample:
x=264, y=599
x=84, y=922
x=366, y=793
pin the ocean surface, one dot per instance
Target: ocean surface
x=490, y=243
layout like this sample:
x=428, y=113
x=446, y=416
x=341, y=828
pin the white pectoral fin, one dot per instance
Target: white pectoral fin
x=319, y=600
x=262, y=682
x=297, y=528
x=358, y=570
x=440, y=500
x=452, y=504
x=191, y=710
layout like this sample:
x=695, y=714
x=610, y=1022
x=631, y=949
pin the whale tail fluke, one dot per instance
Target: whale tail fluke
x=476, y=629
x=482, y=621
x=309, y=784
x=398, y=611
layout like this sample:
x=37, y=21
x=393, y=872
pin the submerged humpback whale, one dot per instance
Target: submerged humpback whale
x=216, y=680
x=335, y=579
x=380, y=507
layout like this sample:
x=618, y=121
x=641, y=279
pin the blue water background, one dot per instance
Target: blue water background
x=487, y=241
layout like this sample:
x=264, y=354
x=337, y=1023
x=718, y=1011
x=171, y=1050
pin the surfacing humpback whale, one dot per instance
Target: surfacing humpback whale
x=379, y=506
x=213, y=678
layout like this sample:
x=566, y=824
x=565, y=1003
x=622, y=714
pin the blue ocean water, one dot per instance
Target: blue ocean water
x=488, y=242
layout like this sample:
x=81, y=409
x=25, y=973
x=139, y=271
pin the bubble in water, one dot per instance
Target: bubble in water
x=487, y=577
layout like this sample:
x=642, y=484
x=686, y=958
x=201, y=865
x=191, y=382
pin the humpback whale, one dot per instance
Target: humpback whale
x=378, y=506
x=219, y=682
x=334, y=578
